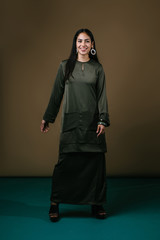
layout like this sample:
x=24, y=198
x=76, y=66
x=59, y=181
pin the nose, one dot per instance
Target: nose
x=83, y=43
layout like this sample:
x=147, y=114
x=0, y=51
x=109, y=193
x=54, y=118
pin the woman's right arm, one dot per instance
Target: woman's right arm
x=55, y=100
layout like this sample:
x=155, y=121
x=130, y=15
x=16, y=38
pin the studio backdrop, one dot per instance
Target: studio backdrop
x=37, y=37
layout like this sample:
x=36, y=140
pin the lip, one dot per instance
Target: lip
x=83, y=49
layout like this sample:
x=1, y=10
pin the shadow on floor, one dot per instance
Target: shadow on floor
x=123, y=196
x=14, y=208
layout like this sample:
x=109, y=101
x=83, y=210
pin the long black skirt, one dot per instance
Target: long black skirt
x=79, y=178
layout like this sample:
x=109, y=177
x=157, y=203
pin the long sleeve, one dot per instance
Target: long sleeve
x=102, y=98
x=56, y=97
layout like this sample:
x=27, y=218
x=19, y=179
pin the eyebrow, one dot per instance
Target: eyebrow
x=84, y=39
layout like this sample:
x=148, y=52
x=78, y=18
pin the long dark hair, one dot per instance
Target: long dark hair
x=73, y=55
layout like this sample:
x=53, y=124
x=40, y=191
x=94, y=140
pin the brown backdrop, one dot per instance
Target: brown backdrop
x=37, y=36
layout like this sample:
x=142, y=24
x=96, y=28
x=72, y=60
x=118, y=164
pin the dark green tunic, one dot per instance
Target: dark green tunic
x=84, y=107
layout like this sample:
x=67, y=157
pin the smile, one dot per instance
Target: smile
x=83, y=49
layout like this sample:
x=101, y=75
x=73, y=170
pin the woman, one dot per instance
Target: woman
x=79, y=177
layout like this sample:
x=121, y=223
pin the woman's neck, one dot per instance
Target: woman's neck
x=83, y=58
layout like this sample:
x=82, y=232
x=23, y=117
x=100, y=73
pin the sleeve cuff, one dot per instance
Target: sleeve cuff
x=103, y=122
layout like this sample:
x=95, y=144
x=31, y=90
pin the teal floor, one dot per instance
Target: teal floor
x=133, y=206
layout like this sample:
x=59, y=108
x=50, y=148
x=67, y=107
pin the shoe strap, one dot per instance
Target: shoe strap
x=54, y=209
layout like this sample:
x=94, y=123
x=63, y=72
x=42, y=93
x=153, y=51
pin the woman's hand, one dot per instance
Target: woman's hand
x=44, y=126
x=100, y=129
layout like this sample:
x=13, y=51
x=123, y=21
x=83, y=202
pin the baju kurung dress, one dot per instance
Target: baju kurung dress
x=79, y=177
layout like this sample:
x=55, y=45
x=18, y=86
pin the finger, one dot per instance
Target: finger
x=98, y=128
x=47, y=126
x=42, y=127
x=100, y=132
x=46, y=129
x=103, y=130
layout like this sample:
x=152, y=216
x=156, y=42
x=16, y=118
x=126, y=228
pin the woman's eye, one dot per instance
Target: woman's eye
x=85, y=41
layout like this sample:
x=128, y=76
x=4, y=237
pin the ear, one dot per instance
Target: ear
x=92, y=44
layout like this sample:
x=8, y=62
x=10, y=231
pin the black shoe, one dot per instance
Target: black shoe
x=98, y=211
x=54, y=212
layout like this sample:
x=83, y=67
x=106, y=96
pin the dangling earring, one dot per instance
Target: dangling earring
x=93, y=51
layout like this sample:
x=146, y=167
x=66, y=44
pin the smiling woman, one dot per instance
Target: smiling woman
x=79, y=177
x=83, y=46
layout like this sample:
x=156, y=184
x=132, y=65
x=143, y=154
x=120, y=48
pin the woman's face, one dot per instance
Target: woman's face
x=83, y=44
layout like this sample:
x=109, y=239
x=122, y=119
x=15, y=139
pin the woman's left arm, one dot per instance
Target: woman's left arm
x=104, y=120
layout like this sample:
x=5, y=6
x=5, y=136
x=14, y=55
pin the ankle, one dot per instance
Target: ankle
x=54, y=203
